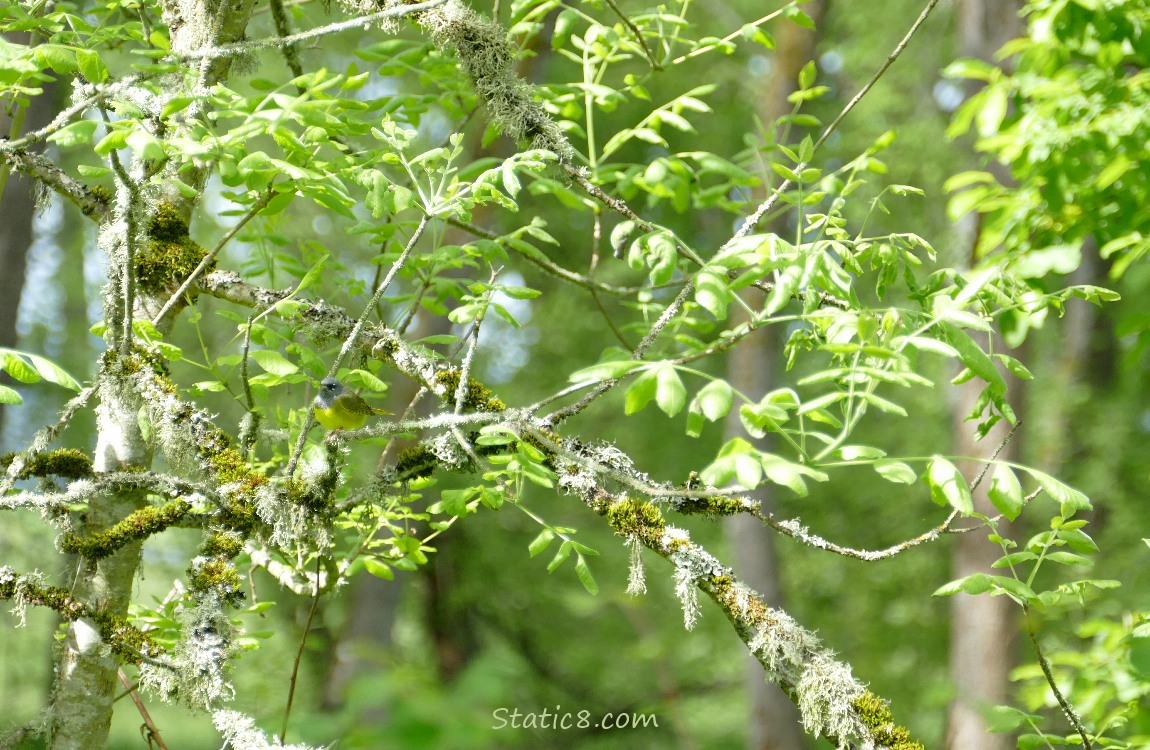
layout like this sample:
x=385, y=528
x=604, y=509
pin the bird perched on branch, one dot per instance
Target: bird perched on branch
x=337, y=407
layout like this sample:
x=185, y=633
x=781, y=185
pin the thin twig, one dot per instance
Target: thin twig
x=990, y=461
x=299, y=651
x=545, y=263
x=349, y=342
x=283, y=28
x=1067, y=709
x=44, y=437
x=596, y=238
x=729, y=37
x=211, y=256
x=153, y=730
x=656, y=329
x=638, y=34
x=469, y=358
x=228, y=50
x=352, y=337
x=753, y=220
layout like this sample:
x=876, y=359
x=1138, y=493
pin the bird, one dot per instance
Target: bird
x=339, y=408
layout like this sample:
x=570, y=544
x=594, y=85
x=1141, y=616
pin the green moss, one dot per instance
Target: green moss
x=169, y=256
x=222, y=545
x=638, y=518
x=710, y=506
x=388, y=347
x=135, y=526
x=102, y=193
x=126, y=641
x=750, y=608
x=875, y=714
x=239, y=516
x=416, y=461
x=316, y=498
x=478, y=396
x=218, y=576
x=67, y=463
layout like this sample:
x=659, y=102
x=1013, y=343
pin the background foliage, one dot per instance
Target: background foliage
x=344, y=156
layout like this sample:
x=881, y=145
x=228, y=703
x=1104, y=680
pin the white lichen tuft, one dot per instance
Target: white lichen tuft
x=448, y=452
x=576, y=478
x=692, y=563
x=20, y=586
x=826, y=693
x=488, y=59
x=291, y=523
x=783, y=647
x=197, y=674
x=636, y=577
x=688, y=595
x=241, y=733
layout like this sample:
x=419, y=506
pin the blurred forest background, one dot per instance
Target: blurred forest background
x=423, y=660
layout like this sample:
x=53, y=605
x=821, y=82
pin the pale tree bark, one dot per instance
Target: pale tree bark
x=773, y=722
x=982, y=627
x=85, y=669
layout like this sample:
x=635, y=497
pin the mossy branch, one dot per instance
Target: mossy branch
x=127, y=642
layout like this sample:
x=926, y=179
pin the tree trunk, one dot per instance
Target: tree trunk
x=982, y=627
x=773, y=722
x=85, y=671
x=18, y=207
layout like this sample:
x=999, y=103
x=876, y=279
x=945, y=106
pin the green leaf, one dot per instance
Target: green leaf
x=91, y=66
x=947, y=486
x=273, y=362
x=1016, y=589
x=9, y=397
x=992, y=112
x=972, y=355
x=671, y=395
x=787, y=474
x=715, y=399
x=1006, y=492
x=737, y=460
x=57, y=57
x=176, y=104
x=563, y=553
x=146, y=145
x=784, y=289
x=785, y=172
x=1016, y=368
x=15, y=366
x=583, y=570
x=860, y=453
x=378, y=568
x=895, y=471
x=712, y=294
x=80, y=133
x=541, y=542
x=979, y=583
x=621, y=235
x=1078, y=540
x=1067, y=558
x=1066, y=496
x=605, y=371
x=640, y=393
x=35, y=368
x=1014, y=558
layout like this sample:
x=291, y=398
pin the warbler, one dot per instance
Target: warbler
x=339, y=408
